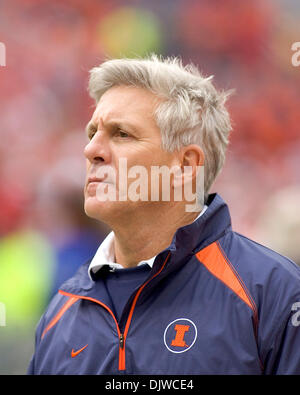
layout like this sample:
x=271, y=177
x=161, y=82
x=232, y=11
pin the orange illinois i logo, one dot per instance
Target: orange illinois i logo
x=180, y=335
x=179, y=338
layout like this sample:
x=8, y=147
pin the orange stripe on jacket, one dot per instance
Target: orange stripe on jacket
x=58, y=316
x=213, y=259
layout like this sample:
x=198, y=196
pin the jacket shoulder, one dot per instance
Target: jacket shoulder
x=271, y=280
x=273, y=283
x=261, y=260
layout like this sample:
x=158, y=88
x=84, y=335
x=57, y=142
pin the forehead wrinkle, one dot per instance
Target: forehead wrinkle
x=113, y=118
x=124, y=113
x=103, y=118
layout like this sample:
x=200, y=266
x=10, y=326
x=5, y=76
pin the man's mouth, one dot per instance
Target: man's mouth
x=94, y=179
x=93, y=183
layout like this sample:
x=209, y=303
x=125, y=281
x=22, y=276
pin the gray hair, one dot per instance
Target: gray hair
x=192, y=111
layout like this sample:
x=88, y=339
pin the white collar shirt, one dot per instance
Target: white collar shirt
x=105, y=255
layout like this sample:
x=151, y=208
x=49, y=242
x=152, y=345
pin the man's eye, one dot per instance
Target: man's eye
x=91, y=135
x=121, y=133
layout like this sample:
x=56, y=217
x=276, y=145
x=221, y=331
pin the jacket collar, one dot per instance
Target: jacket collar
x=187, y=240
x=208, y=228
x=190, y=239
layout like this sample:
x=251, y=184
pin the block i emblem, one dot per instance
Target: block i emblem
x=180, y=335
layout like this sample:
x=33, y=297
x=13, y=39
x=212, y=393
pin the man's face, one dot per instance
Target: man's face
x=122, y=127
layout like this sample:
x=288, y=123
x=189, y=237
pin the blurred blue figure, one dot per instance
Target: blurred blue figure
x=80, y=248
x=78, y=243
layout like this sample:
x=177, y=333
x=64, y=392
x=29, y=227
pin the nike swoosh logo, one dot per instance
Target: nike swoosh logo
x=74, y=353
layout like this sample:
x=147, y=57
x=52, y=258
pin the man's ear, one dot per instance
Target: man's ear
x=191, y=157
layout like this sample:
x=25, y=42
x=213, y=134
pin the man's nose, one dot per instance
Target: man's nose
x=97, y=149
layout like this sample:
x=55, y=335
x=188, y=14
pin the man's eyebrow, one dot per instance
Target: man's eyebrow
x=121, y=124
x=93, y=127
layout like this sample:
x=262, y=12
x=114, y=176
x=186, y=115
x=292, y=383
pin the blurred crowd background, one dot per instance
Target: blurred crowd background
x=44, y=107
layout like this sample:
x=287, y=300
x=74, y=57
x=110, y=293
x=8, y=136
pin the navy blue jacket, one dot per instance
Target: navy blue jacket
x=215, y=302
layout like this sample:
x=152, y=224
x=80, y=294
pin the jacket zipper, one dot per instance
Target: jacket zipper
x=122, y=336
x=121, y=352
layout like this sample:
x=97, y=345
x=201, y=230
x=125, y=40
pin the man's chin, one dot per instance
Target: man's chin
x=116, y=212
x=105, y=211
x=95, y=209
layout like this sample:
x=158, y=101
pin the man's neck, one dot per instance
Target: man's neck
x=145, y=236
